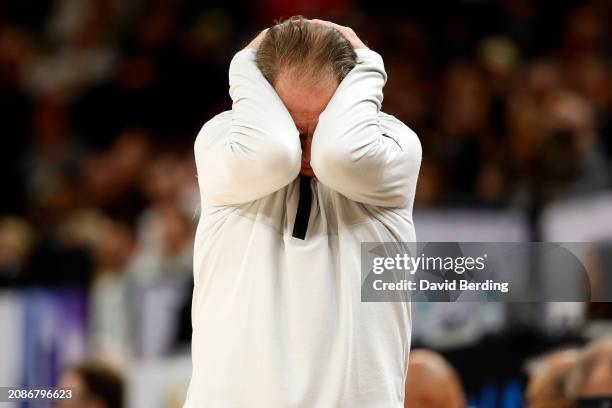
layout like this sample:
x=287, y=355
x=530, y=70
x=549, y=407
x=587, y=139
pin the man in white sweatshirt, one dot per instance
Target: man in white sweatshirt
x=299, y=172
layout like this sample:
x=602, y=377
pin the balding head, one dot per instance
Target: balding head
x=592, y=376
x=548, y=377
x=305, y=51
x=432, y=382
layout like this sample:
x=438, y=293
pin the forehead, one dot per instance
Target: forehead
x=302, y=97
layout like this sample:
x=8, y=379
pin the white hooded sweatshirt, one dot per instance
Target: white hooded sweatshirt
x=277, y=314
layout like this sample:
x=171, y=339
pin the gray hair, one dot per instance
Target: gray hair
x=308, y=50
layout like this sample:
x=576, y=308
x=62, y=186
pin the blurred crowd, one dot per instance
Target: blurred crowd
x=520, y=118
x=101, y=101
x=577, y=377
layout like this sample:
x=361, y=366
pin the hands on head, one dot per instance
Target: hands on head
x=304, y=97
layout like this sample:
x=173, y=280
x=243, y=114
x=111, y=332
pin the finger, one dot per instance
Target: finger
x=258, y=39
x=262, y=33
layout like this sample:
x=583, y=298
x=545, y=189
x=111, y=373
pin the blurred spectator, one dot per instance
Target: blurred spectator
x=170, y=187
x=169, y=252
x=572, y=156
x=110, y=179
x=16, y=238
x=162, y=272
x=82, y=53
x=52, y=162
x=432, y=382
x=94, y=385
x=548, y=375
x=111, y=312
x=591, y=379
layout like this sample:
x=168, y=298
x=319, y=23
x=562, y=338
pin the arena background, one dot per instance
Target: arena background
x=101, y=101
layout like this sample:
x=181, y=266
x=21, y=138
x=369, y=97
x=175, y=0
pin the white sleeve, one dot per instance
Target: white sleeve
x=357, y=150
x=258, y=151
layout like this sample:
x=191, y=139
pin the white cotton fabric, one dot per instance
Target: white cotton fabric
x=278, y=321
